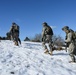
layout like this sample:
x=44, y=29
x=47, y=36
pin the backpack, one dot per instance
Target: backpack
x=16, y=28
x=49, y=30
x=74, y=35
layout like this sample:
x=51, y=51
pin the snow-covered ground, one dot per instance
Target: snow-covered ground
x=29, y=59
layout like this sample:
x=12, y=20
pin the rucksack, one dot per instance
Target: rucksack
x=49, y=30
x=16, y=28
x=74, y=35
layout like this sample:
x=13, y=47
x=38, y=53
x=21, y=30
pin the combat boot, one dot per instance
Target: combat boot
x=72, y=61
x=46, y=51
x=50, y=52
x=16, y=43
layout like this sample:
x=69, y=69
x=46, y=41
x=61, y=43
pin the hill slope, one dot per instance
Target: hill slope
x=29, y=59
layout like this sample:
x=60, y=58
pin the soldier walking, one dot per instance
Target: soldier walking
x=15, y=33
x=47, y=34
x=71, y=43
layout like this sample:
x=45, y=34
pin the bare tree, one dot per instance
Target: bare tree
x=58, y=40
x=37, y=38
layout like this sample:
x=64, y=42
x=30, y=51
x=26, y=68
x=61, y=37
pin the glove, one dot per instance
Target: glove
x=65, y=42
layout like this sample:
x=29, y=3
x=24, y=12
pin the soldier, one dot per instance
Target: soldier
x=47, y=34
x=71, y=43
x=8, y=34
x=15, y=33
x=12, y=31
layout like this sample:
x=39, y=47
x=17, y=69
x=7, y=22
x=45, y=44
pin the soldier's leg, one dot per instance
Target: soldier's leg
x=51, y=48
x=71, y=51
x=16, y=39
x=45, y=47
x=19, y=40
x=72, y=57
x=50, y=44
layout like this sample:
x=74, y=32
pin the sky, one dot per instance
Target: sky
x=30, y=14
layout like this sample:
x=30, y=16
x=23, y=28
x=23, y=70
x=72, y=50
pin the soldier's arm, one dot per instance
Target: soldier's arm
x=43, y=32
x=10, y=29
x=69, y=38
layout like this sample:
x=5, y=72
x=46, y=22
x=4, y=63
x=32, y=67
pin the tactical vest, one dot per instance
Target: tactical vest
x=49, y=30
x=16, y=28
x=74, y=35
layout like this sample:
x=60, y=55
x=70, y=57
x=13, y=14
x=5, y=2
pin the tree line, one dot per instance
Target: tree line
x=57, y=39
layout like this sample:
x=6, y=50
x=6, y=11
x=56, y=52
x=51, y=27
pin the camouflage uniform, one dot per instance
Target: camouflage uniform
x=12, y=32
x=71, y=42
x=8, y=34
x=47, y=38
x=75, y=37
x=15, y=34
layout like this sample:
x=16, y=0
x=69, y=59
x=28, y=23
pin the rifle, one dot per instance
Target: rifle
x=66, y=46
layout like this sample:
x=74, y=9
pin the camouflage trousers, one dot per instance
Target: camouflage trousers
x=72, y=51
x=15, y=38
x=47, y=44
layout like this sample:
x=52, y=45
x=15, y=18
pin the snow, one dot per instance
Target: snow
x=29, y=59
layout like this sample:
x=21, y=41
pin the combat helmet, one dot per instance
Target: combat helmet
x=65, y=28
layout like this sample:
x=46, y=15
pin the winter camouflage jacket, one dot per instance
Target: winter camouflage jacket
x=46, y=35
